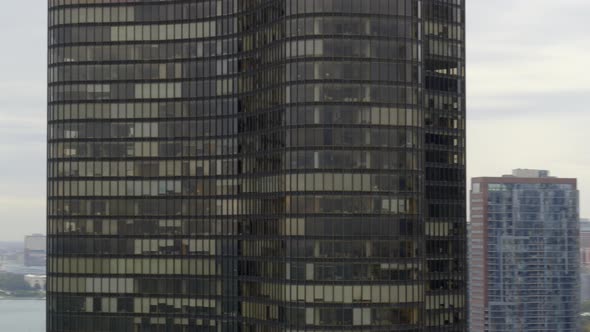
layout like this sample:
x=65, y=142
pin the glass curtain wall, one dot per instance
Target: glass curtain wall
x=256, y=165
x=352, y=218
x=443, y=103
x=533, y=257
x=143, y=166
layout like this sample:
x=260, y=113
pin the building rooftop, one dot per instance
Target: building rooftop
x=527, y=176
x=529, y=173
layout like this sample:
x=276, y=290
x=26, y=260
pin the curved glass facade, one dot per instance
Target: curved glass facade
x=281, y=165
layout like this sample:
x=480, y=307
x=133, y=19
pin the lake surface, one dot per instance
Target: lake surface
x=22, y=315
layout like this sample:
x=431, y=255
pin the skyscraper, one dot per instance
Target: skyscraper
x=524, y=259
x=240, y=165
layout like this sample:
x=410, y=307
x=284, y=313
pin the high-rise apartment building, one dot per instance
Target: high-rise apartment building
x=241, y=165
x=524, y=260
x=584, y=259
x=585, y=243
x=35, y=250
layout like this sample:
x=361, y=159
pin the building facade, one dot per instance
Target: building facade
x=584, y=286
x=585, y=243
x=585, y=259
x=524, y=260
x=241, y=165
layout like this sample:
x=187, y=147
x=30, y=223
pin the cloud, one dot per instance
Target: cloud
x=550, y=70
x=517, y=46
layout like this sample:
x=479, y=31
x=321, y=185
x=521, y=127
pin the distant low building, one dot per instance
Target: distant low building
x=36, y=281
x=35, y=250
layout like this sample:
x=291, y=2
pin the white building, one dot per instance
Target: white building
x=36, y=281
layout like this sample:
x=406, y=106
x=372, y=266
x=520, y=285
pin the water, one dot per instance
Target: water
x=22, y=315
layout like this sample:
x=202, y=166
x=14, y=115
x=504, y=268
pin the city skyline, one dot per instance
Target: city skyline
x=247, y=165
x=516, y=84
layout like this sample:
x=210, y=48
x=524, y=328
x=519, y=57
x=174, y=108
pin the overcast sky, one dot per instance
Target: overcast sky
x=22, y=118
x=529, y=88
x=528, y=91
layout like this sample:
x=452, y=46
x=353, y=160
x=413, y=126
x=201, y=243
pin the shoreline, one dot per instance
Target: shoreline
x=22, y=298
